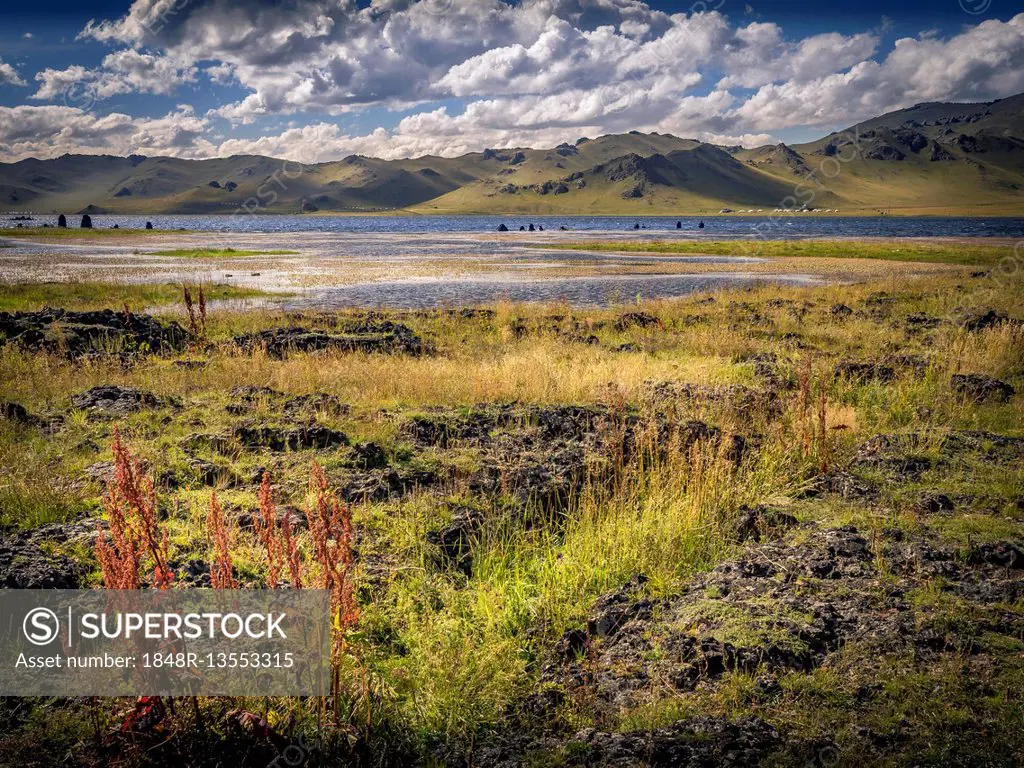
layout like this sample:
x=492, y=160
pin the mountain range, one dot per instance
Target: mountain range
x=930, y=158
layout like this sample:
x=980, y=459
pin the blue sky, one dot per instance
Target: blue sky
x=401, y=77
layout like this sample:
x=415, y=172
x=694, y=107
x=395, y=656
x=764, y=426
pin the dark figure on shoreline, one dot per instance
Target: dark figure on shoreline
x=502, y=228
x=86, y=221
x=522, y=228
x=149, y=225
x=540, y=227
x=637, y=225
x=532, y=228
x=701, y=225
x=679, y=225
x=116, y=226
x=62, y=221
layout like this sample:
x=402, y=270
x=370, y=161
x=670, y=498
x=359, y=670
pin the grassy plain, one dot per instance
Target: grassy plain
x=925, y=251
x=451, y=660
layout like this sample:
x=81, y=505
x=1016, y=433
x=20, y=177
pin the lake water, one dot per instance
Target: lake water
x=768, y=226
x=430, y=261
x=577, y=291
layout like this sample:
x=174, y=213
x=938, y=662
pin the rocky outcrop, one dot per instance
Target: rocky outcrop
x=77, y=334
x=980, y=388
x=384, y=337
x=785, y=605
x=115, y=400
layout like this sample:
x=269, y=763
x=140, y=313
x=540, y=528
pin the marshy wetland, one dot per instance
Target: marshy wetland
x=775, y=518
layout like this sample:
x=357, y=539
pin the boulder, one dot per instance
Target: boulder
x=856, y=371
x=383, y=337
x=840, y=311
x=980, y=319
x=455, y=541
x=979, y=387
x=16, y=413
x=62, y=221
x=77, y=334
x=290, y=438
x=637, y=320
x=115, y=400
x=24, y=565
x=86, y=221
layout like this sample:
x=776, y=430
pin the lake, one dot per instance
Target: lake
x=782, y=226
x=430, y=261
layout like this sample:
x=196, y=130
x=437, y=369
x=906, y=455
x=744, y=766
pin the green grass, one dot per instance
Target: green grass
x=28, y=297
x=76, y=233
x=217, y=253
x=446, y=656
x=937, y=253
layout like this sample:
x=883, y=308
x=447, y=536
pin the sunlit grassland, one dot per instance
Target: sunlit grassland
x=904, y=250
x=79, y=296
x=88, y=234
x=218, y=253
x=447, y=654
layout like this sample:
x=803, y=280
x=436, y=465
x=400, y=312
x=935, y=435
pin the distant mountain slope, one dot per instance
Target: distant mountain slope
x=963, y=156
x=930, y=157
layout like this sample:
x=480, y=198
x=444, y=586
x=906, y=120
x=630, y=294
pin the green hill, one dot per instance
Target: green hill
x=931, y=158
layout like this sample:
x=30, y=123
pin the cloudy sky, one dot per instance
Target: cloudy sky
x=321, y=79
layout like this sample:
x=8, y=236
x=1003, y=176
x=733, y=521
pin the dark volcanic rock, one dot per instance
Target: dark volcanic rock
x=247, y=399
x=980, y=319
x=1002, y=554
x=840, y=311
x=855, y=371
x=760, y=522
x=291, y=438
x=385, y=337
x=933, y=503
x=979, y=387
x=922, y=322
x=455, y=541
x=17, y=413
x=23, y=565
x=736, y=397
x=784, y=605
x=697, y=742
x=387, y=483
x=612, y=611
x=115, y=400
x=77, y=334
x=899, y=457
x=369, y=456
x=637, y=320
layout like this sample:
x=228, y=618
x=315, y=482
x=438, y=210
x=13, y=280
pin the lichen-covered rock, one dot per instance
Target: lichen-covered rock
x=382, y=337
x=290, y=438
x=783, y=605
x=115, y=400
